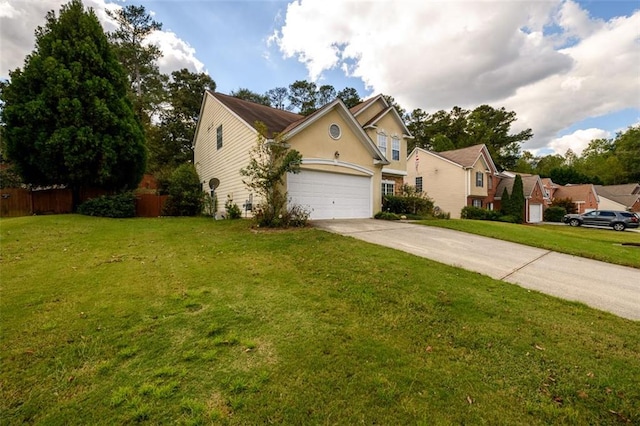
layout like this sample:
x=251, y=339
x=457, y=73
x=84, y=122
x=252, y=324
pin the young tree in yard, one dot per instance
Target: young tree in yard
x=186, y=197
x=270, y=161
x=68, y=119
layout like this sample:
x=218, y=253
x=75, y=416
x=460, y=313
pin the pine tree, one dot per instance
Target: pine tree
x=67, y=116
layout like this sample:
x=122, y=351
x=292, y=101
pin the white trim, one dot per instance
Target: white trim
x=394, y=172
x=350, y=121
x=327, y=162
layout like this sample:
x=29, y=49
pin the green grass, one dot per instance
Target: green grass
x=593, y=243
x=192, y=321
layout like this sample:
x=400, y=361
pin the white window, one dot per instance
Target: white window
x=388, y=187
x=477, y=203
x=382, y=143
x=479, y=179
x=490, y=206
x=395, y=149
x=219, y=137
x=419, y=184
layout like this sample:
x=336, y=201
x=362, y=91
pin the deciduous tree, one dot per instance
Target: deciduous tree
x=269, y=163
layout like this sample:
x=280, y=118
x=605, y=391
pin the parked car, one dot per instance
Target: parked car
x=617, y=220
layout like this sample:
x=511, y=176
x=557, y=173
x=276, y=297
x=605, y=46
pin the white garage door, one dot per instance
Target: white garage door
x=331, y=195
x=535, y=213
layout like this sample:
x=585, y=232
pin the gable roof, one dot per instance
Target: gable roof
x=350, y=120
x=276, y=120
x=576, y=192
x=467, y=157
x=289, y=123
x=529, y=183
x=366, y=104
x=627, y=194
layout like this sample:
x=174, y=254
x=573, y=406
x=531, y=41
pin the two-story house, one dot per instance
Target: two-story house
x=454, y=179
x=350, y=157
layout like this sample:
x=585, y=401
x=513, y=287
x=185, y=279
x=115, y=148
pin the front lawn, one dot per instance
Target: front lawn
x=193, y=321
x=602, y=244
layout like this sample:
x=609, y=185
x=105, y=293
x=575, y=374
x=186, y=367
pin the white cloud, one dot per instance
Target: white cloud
x=577, y=141
x=435, y=55
x=19, y=20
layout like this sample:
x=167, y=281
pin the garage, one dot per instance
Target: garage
x=535, y=213
x=331, y=195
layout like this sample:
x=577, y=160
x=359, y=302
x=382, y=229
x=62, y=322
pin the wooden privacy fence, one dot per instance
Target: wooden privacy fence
x=16, y=202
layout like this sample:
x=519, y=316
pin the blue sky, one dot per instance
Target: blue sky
x=569, y=69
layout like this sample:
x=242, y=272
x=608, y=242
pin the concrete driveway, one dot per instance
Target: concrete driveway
x=601, y=285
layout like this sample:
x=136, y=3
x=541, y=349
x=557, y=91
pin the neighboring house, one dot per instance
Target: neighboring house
x=584, y=196
x=454, y=179
x=349, y=157
x=535, y=195
x=619, y=197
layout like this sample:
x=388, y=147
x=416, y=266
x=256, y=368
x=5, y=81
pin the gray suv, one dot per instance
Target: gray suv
x=617, y=220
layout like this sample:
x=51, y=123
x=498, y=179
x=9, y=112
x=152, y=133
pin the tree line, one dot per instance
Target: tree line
x=91, y=108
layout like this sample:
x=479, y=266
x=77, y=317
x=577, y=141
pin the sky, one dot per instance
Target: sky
x=570, y=69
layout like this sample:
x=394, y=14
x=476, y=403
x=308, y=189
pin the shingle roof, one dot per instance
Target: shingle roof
x=575, y=192
x=466, y=157
x=276, y=120
x=354, y=110
x=627, y=195
x=528, y=184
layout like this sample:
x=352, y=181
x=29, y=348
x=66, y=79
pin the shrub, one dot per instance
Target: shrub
x=386, y=216
x=297, y=216
x=233, y=211
x=509, y=219
x=477, y=213
x=185, y=193
x=119, y=205
x=410, y=202
x=567, y=203
x=209, y=205
x=554, y=214
x=293, y=216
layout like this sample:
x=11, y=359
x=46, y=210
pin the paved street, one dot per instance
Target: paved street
x=598, y=284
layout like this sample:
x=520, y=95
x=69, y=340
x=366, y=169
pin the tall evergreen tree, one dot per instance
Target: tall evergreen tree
x=516, y=202
x=68, y=119
x=505, y=202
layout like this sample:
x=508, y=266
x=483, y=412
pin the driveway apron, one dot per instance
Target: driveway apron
x=601, y=285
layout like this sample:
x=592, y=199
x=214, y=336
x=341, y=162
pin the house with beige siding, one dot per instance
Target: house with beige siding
x=349, y=156
x=454, y=179
x=619, y=197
